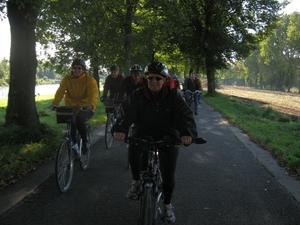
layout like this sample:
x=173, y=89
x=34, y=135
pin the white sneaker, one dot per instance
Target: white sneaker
x=169, y=216
x=75, y=147
x=134, y=191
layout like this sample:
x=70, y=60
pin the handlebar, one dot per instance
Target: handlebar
x=194, y=92
x=165, y=142
x=76, y=109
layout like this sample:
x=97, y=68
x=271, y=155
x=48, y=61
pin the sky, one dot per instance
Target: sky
x=5, y=29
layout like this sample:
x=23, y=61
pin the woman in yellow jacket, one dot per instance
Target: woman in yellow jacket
x=80, y=90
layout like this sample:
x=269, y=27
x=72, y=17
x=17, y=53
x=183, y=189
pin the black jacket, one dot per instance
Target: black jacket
x=111, y=84
x=164, y=115
x=127, y=87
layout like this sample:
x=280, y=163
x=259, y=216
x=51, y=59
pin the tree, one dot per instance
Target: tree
x=21, y=107
x=221, y=32
x=280, y=54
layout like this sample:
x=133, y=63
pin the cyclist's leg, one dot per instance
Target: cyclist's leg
x=73, y=131
x=187, y=97
x=196, y=103
x=134, y=154
x=168, y=161
x=81, y=118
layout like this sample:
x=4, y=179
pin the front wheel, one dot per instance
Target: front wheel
x=85, y=158
x=148, y=212
x=64, y=166
x=108, y=135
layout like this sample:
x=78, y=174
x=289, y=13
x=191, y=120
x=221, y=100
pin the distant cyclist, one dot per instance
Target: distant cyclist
x=192, y=84
x=112, y=82
x=80, y=90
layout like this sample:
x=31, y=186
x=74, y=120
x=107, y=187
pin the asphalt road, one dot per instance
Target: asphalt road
x=229, y=180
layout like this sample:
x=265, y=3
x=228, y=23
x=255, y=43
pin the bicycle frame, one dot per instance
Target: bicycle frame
x=111, y=120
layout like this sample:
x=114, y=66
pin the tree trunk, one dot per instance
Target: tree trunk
x=211, y=83
x=210, y=73
x=21, y=107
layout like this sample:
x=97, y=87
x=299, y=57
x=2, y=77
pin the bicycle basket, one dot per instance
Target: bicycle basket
x=109, y=102
x=65, y=114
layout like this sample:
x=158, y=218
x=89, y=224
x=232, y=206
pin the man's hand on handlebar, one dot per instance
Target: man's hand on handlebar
x=89, y=107
x=186, y=140
x=52, y=107
x=119, y=136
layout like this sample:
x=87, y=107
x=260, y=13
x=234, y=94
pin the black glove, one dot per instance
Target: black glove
x=103, y=98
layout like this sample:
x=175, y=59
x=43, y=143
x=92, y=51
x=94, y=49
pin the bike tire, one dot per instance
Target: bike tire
x=64, y=166
x=148, y=212
x=108, y=135
x=85, y=158
x=192, y=105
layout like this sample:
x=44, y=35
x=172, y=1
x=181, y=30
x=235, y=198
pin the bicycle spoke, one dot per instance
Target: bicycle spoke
x=64, y=166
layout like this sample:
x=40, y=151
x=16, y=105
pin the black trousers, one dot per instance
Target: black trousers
x=168, y=160
x=79, y=124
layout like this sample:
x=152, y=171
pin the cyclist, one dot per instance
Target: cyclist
x=112, y=82
x=129, y=84
x=80, y=90
x=157, y=110
x=192, y=85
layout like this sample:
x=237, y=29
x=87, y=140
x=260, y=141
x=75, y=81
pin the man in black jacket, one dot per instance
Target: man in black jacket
x=192, y=84
x=112, y=82
x=157, y=110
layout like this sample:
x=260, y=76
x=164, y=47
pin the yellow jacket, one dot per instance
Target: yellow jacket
x=77, y=92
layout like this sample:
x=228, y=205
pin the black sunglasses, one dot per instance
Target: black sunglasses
x=156, y=78
x=75, y=67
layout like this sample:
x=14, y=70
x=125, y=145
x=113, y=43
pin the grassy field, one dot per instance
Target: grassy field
x=274, y=131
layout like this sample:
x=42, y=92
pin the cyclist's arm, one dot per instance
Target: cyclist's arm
x=120, y=92
x=93, y=93
x=106, y=86
x=60, y=92
x=183, y=117
x=131, y=115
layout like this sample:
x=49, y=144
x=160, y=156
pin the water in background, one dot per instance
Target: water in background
x=46, y=89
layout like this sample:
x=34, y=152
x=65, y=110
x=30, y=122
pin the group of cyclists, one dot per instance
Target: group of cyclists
x=151, y=106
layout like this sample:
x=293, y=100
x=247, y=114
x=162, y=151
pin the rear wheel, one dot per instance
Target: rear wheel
x=148, y=212
x=64, y=166
x=108, y=135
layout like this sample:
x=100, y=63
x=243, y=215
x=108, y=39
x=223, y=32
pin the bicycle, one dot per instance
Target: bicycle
x=113, y=114
x=66, y=153
x=191, y=100
x=151, y=180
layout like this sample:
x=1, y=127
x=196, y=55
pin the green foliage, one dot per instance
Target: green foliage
x=274, y=66
x=272, y=130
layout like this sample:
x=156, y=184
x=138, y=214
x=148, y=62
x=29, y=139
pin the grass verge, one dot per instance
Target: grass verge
x=18, y=157
x=273, y=131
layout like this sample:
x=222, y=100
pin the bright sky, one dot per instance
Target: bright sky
x=5, y=30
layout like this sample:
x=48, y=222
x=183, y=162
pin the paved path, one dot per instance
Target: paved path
x=229, y=180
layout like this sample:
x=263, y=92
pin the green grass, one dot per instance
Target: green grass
x=18, y=158
x=273, y=131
